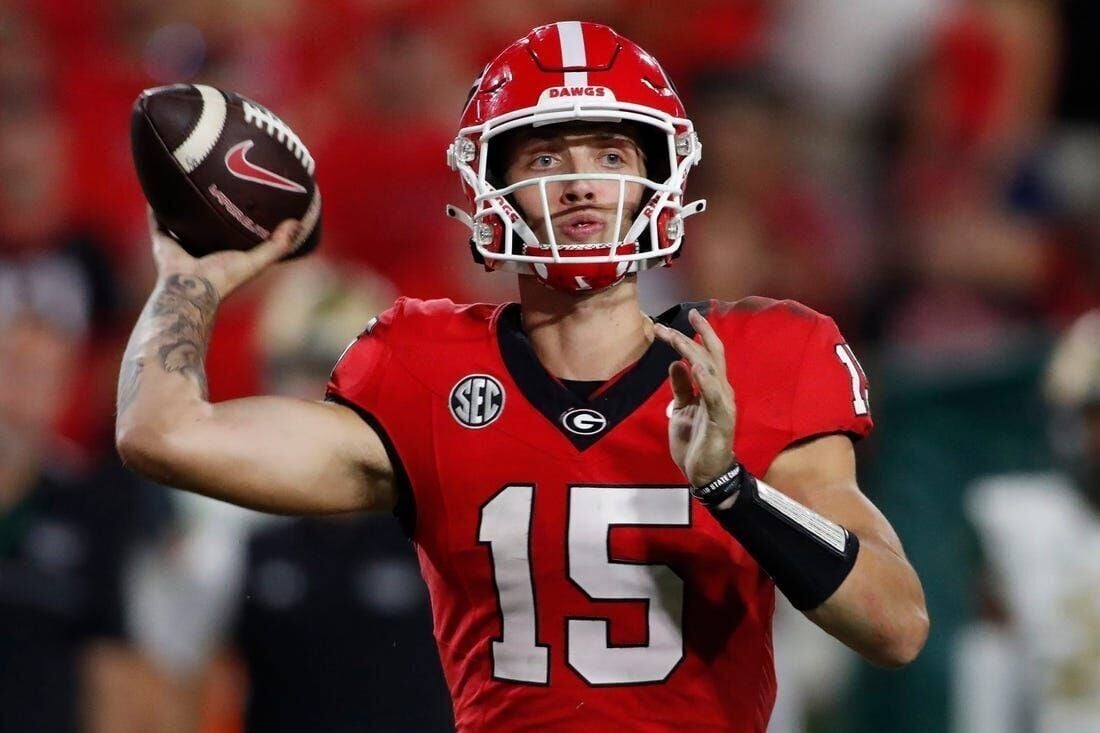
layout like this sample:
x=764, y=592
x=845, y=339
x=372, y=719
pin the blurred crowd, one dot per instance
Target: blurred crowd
x=927, y=172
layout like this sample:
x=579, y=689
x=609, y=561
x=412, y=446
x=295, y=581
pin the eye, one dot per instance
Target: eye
x=613, y=159
x=544, y=160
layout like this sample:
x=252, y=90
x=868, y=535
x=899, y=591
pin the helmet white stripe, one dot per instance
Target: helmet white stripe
x=572, y=52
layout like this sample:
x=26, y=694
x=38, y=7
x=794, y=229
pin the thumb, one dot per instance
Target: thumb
x=281, y=243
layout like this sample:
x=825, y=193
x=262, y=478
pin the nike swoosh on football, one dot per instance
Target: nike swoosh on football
x=241, y=167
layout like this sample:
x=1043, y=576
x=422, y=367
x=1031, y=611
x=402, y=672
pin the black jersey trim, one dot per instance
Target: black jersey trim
x=405, y=508
x=583, y=388
x=553, y=399
x=677, y=316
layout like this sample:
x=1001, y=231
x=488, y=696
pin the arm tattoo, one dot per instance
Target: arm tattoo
x=128, y=380
x=187, y=304
x=182, y=315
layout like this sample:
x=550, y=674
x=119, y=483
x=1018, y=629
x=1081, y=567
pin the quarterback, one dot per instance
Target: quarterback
x=603, y=503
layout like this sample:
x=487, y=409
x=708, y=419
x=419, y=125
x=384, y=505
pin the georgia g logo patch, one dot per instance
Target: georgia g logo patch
x=583, y=421
x=476, y=401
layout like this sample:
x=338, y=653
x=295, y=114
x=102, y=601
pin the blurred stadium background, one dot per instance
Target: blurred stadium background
x=925, y=171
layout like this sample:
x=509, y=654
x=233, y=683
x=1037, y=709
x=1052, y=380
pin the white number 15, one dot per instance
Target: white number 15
x=593, y=511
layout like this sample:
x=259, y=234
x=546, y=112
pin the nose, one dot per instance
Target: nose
x=578, y=160
x=575, y=192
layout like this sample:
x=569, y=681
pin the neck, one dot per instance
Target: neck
x=585, y=337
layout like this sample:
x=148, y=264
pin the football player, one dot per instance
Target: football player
x=1040, y=534
x=602, y=502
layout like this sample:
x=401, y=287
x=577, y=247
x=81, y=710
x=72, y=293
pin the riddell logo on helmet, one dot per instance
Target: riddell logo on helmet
x=557, y=95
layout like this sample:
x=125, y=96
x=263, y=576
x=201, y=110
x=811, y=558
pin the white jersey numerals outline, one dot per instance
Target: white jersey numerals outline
x=861, y=400
x=506, y=527
x=593, y=512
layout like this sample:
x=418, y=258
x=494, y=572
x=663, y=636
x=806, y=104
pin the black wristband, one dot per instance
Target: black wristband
x=722, y=487
x=807, y=555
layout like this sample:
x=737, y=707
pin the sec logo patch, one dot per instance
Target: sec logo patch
x=477, y=400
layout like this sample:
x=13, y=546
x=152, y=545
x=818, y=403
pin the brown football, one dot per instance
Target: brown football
x=220, y=170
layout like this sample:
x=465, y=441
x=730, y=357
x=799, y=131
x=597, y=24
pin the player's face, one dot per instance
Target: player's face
x=582, y=211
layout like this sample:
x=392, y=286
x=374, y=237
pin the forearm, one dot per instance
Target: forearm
x=850, y=578
x=879, y=609
x=162, y=382
x=828, y=548
x=273, y=454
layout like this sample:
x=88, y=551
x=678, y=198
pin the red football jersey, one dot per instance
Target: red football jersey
x=575, y=584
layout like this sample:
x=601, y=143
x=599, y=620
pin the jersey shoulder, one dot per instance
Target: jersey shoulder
x=757, y=318
x=411, y=321
x=410, y=337
x=791, y=368
x=779, y=327
x=413, y=325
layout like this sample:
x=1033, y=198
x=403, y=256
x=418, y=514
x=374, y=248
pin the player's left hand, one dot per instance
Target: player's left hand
x=700, y=429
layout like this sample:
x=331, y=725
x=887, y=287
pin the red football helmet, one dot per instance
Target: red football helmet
x=575, y=72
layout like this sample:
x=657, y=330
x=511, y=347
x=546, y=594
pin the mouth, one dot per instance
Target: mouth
x=582, y=226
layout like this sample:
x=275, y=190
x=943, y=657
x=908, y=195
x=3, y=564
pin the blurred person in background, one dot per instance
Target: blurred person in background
x=69, y=526
x=34, y=143
x=962, y=311
x=568, y=499
x=327, y=618
x=970, y=246
x=70, y=517
x=40, y=227
x=333, y=609
x=1034, y=665
x=772, y=227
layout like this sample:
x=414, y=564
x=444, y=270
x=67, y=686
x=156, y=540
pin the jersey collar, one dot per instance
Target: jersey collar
x=585, y=422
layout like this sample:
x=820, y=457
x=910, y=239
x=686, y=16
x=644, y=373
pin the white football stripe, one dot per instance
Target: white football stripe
x=572, y=52
x=193, y=151
x=308, y=221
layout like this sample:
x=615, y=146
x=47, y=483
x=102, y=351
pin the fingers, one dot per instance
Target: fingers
x=710, y=339
x=683, y=391
x=238, y=267
x=689, y=349
x=716, y=393
x=710, y=352
x=280, y=244
x=707, y=369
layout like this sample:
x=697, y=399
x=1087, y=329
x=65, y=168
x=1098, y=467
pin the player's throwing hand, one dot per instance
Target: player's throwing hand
x=226, y=270
x=700, y=429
